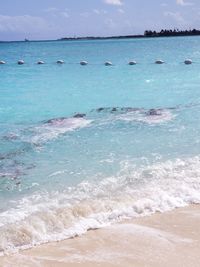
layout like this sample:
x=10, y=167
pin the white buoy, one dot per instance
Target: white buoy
x=108, y=63
x=83, y=63
x=60, y=61
x=159, y=61
x=40, y=62
x=132, y=62
x=188, y=61
x=2, y=62
x=20, y=62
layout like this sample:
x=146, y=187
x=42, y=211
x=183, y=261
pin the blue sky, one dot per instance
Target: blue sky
x=52, y=19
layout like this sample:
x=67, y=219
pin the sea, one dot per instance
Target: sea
x=84, y=147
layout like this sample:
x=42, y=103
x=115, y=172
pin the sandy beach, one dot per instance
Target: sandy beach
x=168, y=239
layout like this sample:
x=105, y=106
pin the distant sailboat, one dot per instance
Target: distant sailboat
x=26, y=40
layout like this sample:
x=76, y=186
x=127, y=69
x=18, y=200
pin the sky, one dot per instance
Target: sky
x=53, y=19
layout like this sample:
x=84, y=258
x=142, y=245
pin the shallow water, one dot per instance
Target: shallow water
x=84, y=146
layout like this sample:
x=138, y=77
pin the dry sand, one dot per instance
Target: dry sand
x=170, y=239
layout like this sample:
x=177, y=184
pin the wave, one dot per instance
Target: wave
x=133, y=192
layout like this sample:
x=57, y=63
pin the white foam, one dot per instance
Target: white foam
x=138, y=116
x=151, y=232
x=134, y=192
x=50, y=131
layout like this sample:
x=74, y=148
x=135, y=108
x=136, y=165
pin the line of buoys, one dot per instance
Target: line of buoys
x=107, y=63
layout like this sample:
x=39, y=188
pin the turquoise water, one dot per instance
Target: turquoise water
x=134, y=151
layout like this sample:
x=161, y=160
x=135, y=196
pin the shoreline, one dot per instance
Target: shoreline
x=162, y=239
x=74, y=39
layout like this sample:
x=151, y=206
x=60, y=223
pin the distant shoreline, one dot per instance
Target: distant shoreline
x=101, y=38
x=118, y=37
x=147, y=34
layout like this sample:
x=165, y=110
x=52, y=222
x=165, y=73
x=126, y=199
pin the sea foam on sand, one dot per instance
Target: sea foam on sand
x=167, y=239
x=43, y=218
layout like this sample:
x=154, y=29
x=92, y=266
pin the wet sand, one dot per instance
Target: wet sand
x=168, y=239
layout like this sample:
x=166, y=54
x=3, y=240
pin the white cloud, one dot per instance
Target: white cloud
x=120, y=10
x=51, y=9
x=164, y=4
x=55, y=12
x=85, y=14
x=183, y=3
x=110, y=23
x=100, y=11
x=114, y=2
x=65, y=14
x=22, y=24
x=96, y=11
x=176, y=16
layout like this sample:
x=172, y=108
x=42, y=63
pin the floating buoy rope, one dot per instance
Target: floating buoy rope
x=107, y=63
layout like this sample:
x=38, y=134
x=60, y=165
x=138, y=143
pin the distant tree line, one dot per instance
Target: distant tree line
x=147, y=33
x=101, y=38
x=175, y=32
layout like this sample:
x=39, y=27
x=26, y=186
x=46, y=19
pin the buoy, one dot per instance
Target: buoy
x=132, y=62
x=159, y=61
x=188, y=61
x=60, y=61
x=20, y=62
x=40, y=62
x=83, y=63
x=108, y=63
x=2, y=62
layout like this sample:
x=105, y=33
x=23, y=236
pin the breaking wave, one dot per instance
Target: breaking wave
x=133, y=192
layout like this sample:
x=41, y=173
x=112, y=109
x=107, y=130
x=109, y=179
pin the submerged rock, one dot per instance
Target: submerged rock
x=50, y=121
x=79, y=115
x=154, y=112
